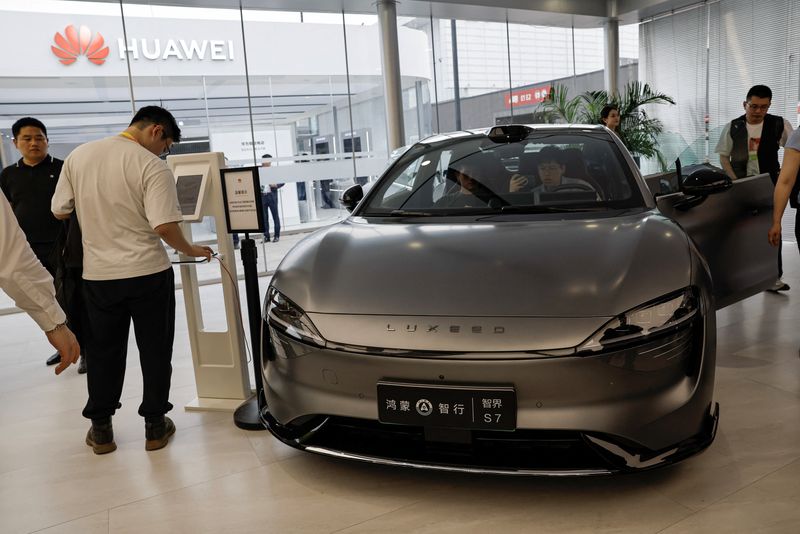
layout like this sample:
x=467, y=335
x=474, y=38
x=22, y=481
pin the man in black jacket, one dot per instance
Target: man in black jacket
x=29, y=185
x=749, y=146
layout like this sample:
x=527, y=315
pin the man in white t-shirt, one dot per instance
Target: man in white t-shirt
x=749, y=146
x=126, y=202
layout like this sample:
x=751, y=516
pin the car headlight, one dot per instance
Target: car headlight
x=656, y=316
x=287, y=317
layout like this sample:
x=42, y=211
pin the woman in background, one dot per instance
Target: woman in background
x=609, y=116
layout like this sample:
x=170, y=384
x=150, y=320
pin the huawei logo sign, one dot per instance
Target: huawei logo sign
x=75, y=43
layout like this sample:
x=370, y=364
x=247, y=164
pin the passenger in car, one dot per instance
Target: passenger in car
x=464, y=175
x=472, y=176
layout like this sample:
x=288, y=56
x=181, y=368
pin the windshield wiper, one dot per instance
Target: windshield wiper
x=550, y=209
x=410, y=213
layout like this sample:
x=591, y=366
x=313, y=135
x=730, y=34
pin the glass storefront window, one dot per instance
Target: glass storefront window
x=78, y=95
x=317, y=111
x=298, y=107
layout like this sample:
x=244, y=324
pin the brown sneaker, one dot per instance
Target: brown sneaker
x=101, y=437
x=157, y=433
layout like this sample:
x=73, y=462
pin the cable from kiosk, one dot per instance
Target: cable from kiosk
x=217, y=256
x=235, y=285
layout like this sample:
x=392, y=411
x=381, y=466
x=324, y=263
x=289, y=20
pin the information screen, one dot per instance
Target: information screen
x=189, y=192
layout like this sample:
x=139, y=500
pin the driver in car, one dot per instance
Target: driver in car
x=551, y=167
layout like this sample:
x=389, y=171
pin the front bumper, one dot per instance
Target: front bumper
x=575, y=415
x=527, y=453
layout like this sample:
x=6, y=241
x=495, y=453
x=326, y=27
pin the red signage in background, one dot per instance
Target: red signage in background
x=528, y=97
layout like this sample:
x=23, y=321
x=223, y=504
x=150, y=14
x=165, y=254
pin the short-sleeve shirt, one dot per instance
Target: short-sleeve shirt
x=794, y=140
x=120, y=192
x=725, y=143
x=29, y=190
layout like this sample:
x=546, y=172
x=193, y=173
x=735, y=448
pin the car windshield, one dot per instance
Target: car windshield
x=544, y=172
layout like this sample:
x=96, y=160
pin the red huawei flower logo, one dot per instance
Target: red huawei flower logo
x=77, y=43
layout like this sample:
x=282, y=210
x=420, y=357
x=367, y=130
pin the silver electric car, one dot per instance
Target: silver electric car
x=514, y=300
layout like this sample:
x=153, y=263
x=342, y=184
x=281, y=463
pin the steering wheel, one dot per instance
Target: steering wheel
x=573, y=187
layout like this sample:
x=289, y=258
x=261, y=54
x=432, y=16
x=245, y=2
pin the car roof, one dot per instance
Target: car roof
x=448, y=136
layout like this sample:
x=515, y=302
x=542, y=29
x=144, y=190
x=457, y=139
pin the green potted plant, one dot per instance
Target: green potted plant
x=638, y=131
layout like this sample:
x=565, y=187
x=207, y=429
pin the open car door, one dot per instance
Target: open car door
x=730, y=230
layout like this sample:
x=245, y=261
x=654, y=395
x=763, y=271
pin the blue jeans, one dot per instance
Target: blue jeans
x=270, y=204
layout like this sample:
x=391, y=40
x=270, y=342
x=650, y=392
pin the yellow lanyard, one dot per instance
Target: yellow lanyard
x=128, y=136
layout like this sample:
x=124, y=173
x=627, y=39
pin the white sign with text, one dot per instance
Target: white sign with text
x=242, y=200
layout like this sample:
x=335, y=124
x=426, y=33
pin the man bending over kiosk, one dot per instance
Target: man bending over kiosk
x=126, y=202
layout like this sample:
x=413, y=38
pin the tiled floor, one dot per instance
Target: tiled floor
x=214, y=477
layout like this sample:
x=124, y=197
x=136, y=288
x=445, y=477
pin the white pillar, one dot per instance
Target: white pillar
x=612, y=56
x=390, y=61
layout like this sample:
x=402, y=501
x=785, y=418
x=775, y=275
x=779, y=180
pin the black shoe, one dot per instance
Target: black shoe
x=101, y=436
x=157, y=431
x=275, y=240
x=54, y=359
x=266, y=239
x=82, y=365
x=780, y=285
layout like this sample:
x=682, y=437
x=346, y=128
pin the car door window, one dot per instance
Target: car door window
x=400, y=189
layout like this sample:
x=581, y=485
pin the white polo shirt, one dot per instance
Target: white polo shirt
x=120, y=192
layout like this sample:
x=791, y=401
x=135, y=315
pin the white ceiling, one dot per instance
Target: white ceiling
x=564, y=13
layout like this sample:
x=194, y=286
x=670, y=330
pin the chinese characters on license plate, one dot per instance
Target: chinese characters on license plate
x=471, y=407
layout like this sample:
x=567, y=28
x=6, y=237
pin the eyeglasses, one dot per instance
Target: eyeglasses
x=756, y=107
x=166, y=150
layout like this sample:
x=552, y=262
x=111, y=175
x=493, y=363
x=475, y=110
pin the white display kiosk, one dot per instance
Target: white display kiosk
x=220, y=363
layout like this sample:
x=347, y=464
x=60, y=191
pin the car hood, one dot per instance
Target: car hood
x=562, y=267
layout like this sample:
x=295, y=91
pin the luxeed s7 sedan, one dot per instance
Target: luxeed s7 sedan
x=513, y=300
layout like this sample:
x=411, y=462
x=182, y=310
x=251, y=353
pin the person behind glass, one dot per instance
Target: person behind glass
x=550, y=166
x=269, y=202
x=125, y=198
x=465, y=173
x=749, y=146
x=610, y=118
x=328, y=201
x=30, y=286
x=29, y=185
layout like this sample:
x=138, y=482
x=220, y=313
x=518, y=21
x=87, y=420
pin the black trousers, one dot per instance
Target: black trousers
x=44, y=253
x=111, y=305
